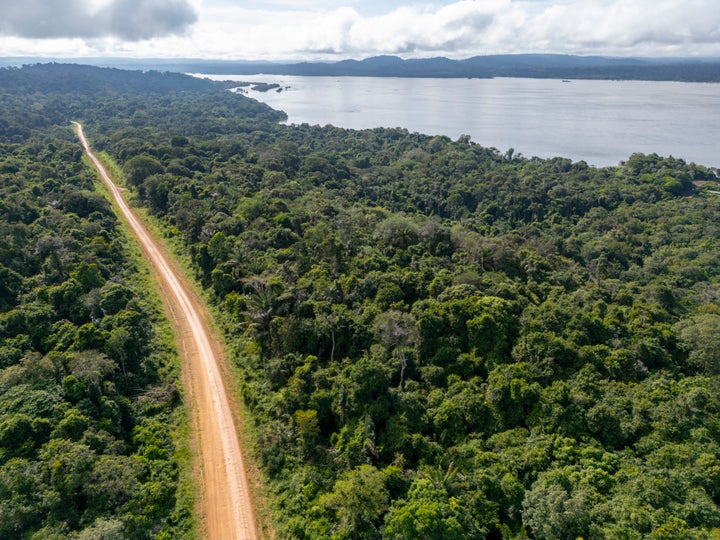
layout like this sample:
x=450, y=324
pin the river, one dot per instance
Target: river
x=600, y=122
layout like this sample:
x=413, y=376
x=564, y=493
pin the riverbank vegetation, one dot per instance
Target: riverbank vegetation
x=437, y=340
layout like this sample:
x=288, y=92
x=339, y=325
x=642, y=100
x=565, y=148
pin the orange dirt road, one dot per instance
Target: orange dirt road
x=226, y=505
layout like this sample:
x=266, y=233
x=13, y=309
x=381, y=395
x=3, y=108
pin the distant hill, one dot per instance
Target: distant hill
x=522, y=65
x=545, y=66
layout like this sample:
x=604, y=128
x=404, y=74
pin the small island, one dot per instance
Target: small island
x=264, y=87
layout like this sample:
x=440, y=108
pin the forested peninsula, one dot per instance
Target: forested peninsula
x=434, y=339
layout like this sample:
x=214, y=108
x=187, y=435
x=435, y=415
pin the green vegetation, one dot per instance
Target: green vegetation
x=91, y=421
x=265, y=87
x=437, y=340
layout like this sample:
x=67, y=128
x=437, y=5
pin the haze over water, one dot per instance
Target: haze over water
x=601, y=122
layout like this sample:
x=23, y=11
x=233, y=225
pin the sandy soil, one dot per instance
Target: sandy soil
x=226, y=505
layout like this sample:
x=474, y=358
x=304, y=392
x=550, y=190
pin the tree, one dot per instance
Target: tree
x=433, y=513
x=104, y=529
x=359, y=499
x=23, y=496
x=140, y=167
x=306, y=423
x=513, y=392
x=67, y=467
x=114, y=297
x=397, y=330
x=554, y=512
x=700, y=338
x=114, y=480
x=16, y=436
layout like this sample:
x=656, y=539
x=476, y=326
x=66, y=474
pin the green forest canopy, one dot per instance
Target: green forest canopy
x=436, y=340
x=90, y=417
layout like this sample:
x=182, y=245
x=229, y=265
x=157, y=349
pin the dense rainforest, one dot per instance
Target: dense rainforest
x=434, y=339
x=92, y=431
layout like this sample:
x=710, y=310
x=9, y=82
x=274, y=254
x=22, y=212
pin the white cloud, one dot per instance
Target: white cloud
x=129, y=20
x=471, y=27
x=454, y=30
x=331, y=29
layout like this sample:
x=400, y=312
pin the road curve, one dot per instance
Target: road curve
x=226, y=504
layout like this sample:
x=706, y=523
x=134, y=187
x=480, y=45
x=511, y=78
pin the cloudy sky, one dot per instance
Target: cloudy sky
x=335, y=29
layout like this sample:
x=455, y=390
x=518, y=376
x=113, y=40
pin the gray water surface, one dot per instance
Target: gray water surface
x=601, y=122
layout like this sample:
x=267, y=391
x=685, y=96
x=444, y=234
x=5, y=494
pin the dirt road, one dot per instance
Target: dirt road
x=226, y=504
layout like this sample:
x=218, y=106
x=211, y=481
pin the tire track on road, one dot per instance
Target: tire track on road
x=227, y=506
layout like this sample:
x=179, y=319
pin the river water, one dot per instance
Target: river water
x=601, y=122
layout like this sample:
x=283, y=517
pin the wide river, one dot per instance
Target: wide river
x=601, y=122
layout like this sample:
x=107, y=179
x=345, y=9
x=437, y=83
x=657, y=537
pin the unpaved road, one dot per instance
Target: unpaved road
x=226, y=504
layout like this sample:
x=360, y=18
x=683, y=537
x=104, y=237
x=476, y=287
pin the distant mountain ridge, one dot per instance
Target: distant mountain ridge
x=551, y=66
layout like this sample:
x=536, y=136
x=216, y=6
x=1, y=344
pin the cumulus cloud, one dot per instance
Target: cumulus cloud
x=470, y=27
x=129, y=20
x=456, y=27
x=461, y=29
x=630, y=25
x=332, y=29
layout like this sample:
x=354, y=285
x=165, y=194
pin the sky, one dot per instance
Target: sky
x=292, y=30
